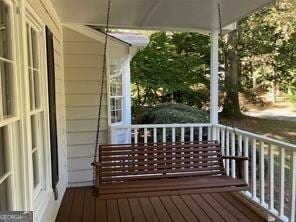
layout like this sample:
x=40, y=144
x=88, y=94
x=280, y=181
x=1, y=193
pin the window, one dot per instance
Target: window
x=7, y=108
x=8, y=100
x=116, y=96
x=36, y=112
x=5, y=171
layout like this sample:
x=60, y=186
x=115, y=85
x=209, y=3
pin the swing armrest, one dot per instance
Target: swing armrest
x=240, y=164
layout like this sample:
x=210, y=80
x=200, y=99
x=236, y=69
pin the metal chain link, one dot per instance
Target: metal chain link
x=104, y=73
x=220, y=19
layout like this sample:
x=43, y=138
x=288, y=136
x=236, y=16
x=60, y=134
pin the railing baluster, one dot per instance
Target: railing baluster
x=209, y=133
x=218, y=134
x=223, y=144
x=136, y=136
x=145, y=135
x=173, y=134
x=240, y=145
x=199, y=133
x=154, y=135
x=262, y=181
x=182, y=134
x=254, y=179
x=293, y=197
x=246, y=163
x=271, y=177
x=233, y=168
x=164, y=134
x=191, y=134
x=282, y=183
x=227, y=152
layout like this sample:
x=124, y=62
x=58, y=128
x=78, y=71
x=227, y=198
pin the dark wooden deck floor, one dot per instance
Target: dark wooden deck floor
x=79, y=205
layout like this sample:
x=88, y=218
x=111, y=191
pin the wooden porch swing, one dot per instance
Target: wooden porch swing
x=157, y=169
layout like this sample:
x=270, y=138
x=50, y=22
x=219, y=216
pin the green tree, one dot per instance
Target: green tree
x=173, y=67
x=266, y=44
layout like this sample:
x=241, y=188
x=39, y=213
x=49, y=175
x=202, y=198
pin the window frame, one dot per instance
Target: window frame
x=13, y=122
x=42, y=193
x=119, y=73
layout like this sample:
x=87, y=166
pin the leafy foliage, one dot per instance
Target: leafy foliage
x=173, y=113
x=173, y=67
x=267, y=45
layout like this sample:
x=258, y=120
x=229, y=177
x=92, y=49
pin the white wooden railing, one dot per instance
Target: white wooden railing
x=270, y=172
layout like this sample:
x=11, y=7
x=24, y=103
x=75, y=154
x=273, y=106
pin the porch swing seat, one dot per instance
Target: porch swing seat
x=146, y=170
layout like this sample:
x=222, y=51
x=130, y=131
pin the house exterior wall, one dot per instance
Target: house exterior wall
x=83, y=72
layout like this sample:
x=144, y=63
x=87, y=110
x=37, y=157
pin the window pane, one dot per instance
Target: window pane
x=29, y=46
x=36, y=89
x=35, y=51
x=31, y=86
x=36, y=175
x=118, y=103
x=116, y=86
x=119, y=118
x=34, y=132
x=4, y=167
x=5, y=195
x=6, y=77
x=5, y=32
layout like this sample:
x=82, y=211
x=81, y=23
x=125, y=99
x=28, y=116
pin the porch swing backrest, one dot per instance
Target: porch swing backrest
x=122, y=163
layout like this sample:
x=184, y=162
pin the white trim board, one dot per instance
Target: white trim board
x=93, y=34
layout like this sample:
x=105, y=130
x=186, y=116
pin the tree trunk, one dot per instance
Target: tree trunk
x=231, y=104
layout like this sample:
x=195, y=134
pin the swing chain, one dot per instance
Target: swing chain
x=220, y=19
x=104, y=73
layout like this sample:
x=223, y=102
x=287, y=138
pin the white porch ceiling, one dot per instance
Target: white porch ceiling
x=199, y=15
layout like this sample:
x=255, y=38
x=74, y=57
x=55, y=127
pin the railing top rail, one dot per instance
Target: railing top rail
x=174, y=125
x=259, y=137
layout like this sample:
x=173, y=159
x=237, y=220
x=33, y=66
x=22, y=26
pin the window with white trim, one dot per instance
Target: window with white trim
x=8, y=115
x=37, y=106
x=116, y=95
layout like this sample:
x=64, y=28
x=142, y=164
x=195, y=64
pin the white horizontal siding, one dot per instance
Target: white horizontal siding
x=80, y=100
x=85, y=112
x=77, y=151
x=84, y=48
x=83, y=60
x=84, y=87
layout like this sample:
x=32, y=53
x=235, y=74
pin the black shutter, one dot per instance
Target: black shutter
x=52, y=110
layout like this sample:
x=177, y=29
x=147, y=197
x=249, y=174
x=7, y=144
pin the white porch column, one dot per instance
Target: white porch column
x=214, y=80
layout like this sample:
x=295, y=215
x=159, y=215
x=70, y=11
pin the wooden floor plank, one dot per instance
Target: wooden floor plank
x=207, y=208
x=239, y=215
x=160, y=210
x=124, y=211
x=185, y=211
x=112, y=211
x=219, y=208
x=66, y=205
x=101, y=211
x=242, y=207
x=89, y=206
x=196, y=209
x=77, y=206
x=148, y=210
x=137, y=212
x=172, y=209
